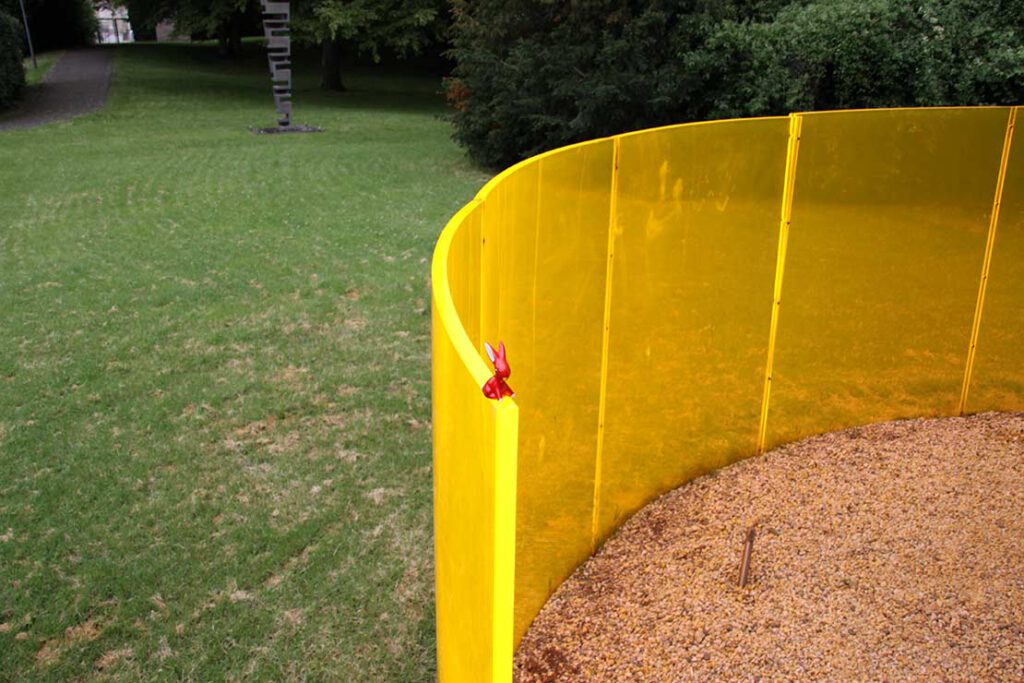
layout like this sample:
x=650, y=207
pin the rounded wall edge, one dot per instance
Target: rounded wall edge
x=441, y=297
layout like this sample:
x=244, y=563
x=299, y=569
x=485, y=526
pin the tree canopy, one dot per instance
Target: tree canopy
x=55, y=24
x=359, y=27
x=536, y=74
x=366, y=27
x=227, y=20
x=369, y=26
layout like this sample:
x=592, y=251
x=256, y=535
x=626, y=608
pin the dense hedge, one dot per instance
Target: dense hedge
x=536, y=74
x=12, y=74
x=57, y=24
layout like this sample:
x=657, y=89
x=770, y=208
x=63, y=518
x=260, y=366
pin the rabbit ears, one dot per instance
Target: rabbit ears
x=491, y=354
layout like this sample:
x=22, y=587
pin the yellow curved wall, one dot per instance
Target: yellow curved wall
x=675, y=299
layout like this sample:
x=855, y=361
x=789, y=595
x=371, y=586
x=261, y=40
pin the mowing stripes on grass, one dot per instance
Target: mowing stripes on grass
x=214, y=386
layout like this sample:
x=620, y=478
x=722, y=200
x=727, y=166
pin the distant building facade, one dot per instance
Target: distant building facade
x=114, y=26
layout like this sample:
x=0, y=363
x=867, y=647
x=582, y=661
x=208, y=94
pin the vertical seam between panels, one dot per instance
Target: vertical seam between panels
x=612, y=223
x=792, y=152
x=993, y=224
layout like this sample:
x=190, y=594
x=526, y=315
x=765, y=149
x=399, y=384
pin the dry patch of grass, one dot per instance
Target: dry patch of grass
x=51, y=649
x=112, y=658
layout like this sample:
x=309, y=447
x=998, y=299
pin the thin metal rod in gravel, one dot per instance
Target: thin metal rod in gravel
x=748, y=548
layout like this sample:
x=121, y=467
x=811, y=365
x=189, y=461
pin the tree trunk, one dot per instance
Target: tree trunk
x=330, y=66
x=223, y=46
x=235, y=35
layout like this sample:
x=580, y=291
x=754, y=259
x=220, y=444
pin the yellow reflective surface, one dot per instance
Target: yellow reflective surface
x=463, y=488
x=889, y=223
x=998, y=382
x=694, y=261
x=463, y=270
x=632, y=281
x=545, y=257
x=474, y=479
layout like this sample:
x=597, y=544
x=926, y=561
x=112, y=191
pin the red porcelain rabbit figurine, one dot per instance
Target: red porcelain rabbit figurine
x=496, y=387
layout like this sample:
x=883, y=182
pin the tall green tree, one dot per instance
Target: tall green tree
x=536, y=74
x=366, y=28
x=223, y=19
x=359, y=27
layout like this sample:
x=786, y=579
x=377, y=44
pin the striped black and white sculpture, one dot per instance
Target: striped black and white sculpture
x=276, y=18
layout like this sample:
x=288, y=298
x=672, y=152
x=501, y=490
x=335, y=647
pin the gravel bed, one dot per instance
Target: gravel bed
x=892, y=552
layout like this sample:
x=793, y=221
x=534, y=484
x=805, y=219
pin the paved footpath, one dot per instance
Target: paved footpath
x=77, y=84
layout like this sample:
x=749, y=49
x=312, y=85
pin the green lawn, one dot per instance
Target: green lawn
x=34, y=75
x=214, y=378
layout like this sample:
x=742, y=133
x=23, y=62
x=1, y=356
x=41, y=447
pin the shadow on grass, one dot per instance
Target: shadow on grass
x=243, y=79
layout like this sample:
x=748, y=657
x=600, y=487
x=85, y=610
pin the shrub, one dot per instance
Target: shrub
x=536, y=74
x=12, y=73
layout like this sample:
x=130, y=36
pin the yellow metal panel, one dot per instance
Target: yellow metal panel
x=696, y=235
x=647, y=342
x=463, y=519
x=545, y=224
x=474, y=478
x=506, y=420
x=887, y=240
x=998, y=382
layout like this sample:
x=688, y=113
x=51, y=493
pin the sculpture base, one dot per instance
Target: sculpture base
x=294, y=128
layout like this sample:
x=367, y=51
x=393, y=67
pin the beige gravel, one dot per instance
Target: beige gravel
x=893, y=552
